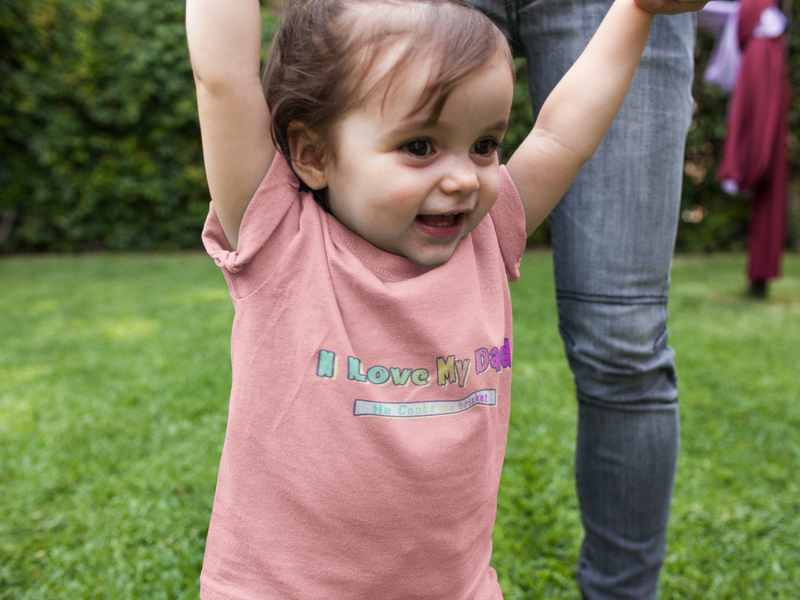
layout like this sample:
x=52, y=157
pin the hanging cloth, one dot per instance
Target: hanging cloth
x=754, y=155
x=721, y=18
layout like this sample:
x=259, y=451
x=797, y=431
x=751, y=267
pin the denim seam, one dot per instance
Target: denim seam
x=610, y=299
x=640, y=405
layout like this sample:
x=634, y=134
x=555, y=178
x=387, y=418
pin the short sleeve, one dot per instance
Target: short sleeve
x=273, y=208
x=508, y=218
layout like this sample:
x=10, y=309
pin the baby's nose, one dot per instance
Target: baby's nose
x=459, y=178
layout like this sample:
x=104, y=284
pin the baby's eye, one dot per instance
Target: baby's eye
x=420, y=148
x=485, y=147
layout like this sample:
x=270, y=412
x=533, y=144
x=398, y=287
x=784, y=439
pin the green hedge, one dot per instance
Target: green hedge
x=100, y=145
x=100, y=142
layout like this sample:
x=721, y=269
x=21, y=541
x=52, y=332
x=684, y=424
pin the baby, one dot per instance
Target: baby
x=367, y=233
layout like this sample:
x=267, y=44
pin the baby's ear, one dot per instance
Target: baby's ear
x=307, y=161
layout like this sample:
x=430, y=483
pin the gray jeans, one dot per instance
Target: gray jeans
x=613, y=235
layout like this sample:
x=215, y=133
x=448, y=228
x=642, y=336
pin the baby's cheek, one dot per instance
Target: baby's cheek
x=490, y=191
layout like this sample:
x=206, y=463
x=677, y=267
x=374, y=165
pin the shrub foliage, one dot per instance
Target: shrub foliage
x=100, y=145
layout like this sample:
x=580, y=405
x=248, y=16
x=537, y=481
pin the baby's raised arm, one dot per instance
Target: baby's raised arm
x=581, y=108
x=225, y=47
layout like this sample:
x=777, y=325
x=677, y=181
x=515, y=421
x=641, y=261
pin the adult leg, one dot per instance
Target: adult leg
x=613, y=237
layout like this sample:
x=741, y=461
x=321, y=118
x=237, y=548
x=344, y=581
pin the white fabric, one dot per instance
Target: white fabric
x=772, y=23
x=715, y=14
x=722, y=17
x=730, y=186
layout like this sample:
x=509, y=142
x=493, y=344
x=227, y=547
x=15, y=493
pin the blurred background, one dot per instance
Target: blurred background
x=100, y=145
x=115, y=353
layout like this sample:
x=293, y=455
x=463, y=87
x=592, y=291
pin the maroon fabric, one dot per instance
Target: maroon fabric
x=754, y=154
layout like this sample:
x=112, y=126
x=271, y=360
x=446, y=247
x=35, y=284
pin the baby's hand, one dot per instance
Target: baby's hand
x=670, y=7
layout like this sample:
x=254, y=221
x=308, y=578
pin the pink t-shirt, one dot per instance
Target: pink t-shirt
x=369, y=408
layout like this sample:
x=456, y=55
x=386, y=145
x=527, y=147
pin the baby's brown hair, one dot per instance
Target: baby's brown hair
x=324, y=51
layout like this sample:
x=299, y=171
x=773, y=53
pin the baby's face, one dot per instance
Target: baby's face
x=415, y=188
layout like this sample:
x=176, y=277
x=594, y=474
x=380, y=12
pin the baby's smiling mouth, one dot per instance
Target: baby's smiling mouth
x=441, y=226
x=438, y=220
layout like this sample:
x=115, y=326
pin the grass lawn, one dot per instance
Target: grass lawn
x=114, y=378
